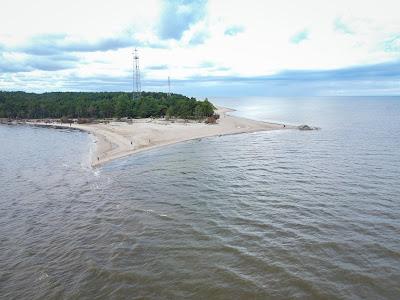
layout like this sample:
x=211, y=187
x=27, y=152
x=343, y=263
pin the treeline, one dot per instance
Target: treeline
x=21, y=105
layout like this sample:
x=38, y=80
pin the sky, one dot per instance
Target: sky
x=208, y=48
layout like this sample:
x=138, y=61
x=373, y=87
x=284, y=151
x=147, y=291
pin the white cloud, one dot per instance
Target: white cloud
x=240, y=38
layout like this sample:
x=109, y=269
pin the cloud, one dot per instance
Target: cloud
x=51, y=44
x=157, y=67
x=178, y=15
x=199, y=37
x=49, y=64
x=13, y=64
x=377, y=79
x=175, y=37
x=342, y=27
x=300, y=37
x=207, y=64
x=234, y=30
x=383, y=71
x=392, y=44
x=211, y=66
x=6, y=67
x=74, y=82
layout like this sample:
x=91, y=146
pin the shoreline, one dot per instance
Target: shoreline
x=119, y=139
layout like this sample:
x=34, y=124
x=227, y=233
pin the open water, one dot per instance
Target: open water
x=269, y=215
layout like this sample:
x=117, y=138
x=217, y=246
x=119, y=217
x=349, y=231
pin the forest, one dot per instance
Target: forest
x=22, y=105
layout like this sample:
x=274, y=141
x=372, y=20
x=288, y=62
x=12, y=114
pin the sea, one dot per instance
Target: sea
x=284, y=214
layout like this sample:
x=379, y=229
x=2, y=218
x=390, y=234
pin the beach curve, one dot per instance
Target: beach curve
x=119, y=139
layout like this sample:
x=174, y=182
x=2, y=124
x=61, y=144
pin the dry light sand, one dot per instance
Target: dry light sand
x=118, y=139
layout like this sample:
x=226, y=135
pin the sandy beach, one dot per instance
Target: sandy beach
x=119, y=139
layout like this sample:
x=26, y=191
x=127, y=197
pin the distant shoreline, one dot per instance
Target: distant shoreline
x=119, y=139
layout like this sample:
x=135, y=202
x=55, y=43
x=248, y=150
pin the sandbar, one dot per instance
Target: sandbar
x=117, y=139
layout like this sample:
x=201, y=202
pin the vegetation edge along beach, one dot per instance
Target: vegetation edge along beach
x=101, y=105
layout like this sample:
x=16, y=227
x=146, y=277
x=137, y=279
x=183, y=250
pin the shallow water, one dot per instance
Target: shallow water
x=283, y=214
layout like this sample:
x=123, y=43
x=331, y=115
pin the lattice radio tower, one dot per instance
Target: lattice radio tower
x=136, y=85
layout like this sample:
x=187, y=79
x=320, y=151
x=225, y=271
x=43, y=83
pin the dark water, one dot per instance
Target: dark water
x=276, y=215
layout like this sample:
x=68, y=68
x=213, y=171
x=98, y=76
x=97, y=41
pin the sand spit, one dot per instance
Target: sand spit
x=118, y=139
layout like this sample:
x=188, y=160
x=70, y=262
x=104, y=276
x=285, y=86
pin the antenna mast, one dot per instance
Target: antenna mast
x=136, y=85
